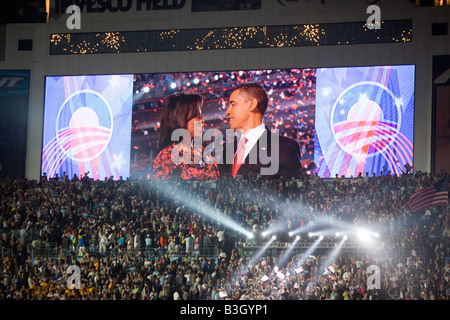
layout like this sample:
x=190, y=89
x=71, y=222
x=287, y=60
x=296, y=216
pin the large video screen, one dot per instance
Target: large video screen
x=87, y=126
x=345, y=120
x=364, y=120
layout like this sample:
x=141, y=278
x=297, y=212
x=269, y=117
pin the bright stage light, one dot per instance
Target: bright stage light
x=274, y=237
x=291, y=234
x=297, y=237
x=321, y=237
x=338, y=234
x=366, y=235
x=276, y=227
x=303, y=229
x=310, y=234
x=173, y=85
x=345, y=237
x=363, y=235
x=250, y=235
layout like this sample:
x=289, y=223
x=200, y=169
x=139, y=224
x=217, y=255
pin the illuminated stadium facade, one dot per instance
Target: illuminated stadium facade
x=362, y=103
x=192, y=40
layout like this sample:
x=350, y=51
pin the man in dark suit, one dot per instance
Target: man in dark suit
x=257, y=149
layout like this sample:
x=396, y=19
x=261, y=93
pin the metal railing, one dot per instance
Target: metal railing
x=45, y=250
x=52, y=250
x=276, y=248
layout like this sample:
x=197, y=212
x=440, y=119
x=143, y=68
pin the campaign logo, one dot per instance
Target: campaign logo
x=365, y=119
x=84, y=125
x=87, y=126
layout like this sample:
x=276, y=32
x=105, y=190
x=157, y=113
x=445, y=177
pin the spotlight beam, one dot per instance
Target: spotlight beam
x=260, y=252
x=309, y=251
x=332, y=255
x=335, y=225
x=177, y=194
x=287, y=253
x=276, y=227
x=315, y=224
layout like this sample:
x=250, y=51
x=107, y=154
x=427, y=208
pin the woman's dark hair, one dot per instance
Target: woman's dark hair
x=178, y=110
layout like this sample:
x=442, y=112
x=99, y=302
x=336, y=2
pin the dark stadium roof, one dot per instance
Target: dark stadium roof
x=23, y=11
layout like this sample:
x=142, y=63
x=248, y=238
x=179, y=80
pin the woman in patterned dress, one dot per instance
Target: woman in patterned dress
x=182, y=111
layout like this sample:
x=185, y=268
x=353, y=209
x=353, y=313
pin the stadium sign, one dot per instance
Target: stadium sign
x=100, y=6
x=14, y=82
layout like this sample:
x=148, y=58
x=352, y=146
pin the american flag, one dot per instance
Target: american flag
x=431, y=196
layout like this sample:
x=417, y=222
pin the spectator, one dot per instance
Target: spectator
x=34, y=223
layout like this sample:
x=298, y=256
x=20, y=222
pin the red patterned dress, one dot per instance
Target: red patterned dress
x=165, y=168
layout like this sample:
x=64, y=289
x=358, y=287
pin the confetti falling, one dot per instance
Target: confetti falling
x=391, y=31
x=291, y=109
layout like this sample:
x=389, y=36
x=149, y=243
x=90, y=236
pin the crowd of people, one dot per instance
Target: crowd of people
x=142, y=240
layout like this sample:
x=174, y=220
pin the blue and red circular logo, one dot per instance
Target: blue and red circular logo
x=84, y=125
x=365, y=119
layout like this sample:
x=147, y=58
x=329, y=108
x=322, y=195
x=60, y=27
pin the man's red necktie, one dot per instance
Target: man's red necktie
x=238, y=157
